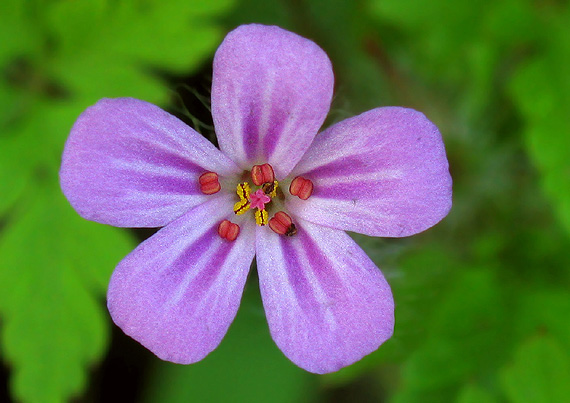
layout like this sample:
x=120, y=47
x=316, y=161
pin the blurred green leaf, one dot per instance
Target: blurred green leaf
x=461, y=50
x=110, y=49
x=278, y=12
x=544, y=310
x=541, y=90
x=468, y=333
x=472, y=393
x=31, y=146
x=54, y=267
x=16, y=36
x=12, y=178
x=247, y=367
x=539, y=372
x=343, y=30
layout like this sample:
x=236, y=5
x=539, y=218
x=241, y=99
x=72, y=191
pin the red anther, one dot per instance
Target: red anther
x=261, y=174
x=228, y=230
x=282, y=224
x=301, y=187
x=209, y=183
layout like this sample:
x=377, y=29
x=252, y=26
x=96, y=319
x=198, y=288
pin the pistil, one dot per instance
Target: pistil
x=258, y=199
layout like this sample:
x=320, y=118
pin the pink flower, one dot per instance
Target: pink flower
x=275, y=190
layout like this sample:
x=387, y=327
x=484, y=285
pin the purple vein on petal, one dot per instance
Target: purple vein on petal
x=251, y=112
x=299, y=283
x=311, y=281
x=165, y=158
x=192, y=285
x=352, y=163
x=279, y=116
x=163, y=184
x=368, y=186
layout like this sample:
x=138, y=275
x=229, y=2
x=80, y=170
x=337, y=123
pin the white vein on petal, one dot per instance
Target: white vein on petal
x=267, y=102
x=248, y=235
x=144, y=167
x=320, y=295
x=337, y=210
x=230, y=113
x=282, y=150
x=361, y=177
x=278, y=276
x=320, y=154
x=192, y=274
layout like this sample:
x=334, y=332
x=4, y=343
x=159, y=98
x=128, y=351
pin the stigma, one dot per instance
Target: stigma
x=259, y=199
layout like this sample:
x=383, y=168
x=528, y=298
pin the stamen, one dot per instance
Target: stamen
x=261, y=174
x=258, y=199
x=261, y=217
x=282, y=224
x=228, y=230
x=209, y=183
x=243, y=204
x=270, y=189
x=301, y=187
x=243, y=190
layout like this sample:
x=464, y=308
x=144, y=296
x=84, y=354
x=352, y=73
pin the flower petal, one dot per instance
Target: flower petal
x=382, y=173
x=327, y=304
x=271, y=92
x=128, y=163
x=178, y=292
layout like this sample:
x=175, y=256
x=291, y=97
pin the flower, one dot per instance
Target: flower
x=274, y=189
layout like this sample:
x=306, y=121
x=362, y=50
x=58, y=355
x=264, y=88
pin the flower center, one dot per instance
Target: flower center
x=264, y=177
x=265, y=197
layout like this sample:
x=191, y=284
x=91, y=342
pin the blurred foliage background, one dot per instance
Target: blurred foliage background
x=482, y=299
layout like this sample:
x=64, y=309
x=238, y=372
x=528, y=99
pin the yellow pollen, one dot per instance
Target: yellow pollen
x=243, y=191
x=243, y=204
x=261, y=217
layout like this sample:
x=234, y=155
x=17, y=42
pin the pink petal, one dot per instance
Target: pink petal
x=271, y=92
x=128, y=163
x=179, y=291
x=382, y=173
x=327, y=304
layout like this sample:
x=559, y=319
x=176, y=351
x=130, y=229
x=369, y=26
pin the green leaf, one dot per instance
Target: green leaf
x=54, y=267
x=473, y=393
x=539, y=372
x=12, y=178
x=468, y=333
x=343, y=32
x=541, y=90
x=108, y=49
x=246, y=367
x=463, y=56
x=544, y=310
x=17, y=36
x=31, y=146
